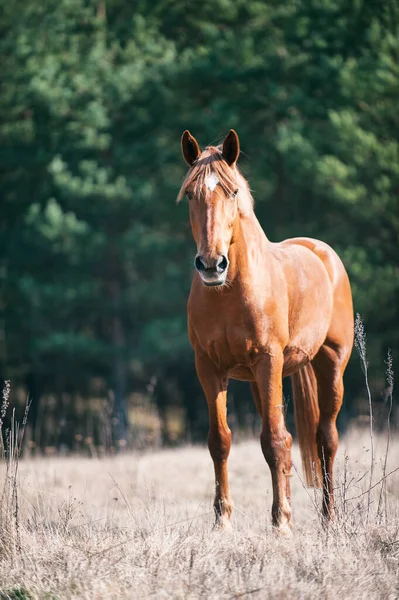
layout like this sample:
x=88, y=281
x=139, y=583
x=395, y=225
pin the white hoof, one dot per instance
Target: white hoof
x=284, y=530
x=223, y=524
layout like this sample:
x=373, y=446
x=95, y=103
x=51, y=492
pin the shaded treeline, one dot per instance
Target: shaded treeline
x=96, y=259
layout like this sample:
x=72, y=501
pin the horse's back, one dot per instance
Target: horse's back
x=330, y=259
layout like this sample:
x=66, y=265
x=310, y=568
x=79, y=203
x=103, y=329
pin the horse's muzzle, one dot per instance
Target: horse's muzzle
x=212, y=270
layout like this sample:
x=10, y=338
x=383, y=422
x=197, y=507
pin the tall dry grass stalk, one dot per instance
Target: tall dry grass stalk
x=360, y=344
x=382, y=501
x=10, y=450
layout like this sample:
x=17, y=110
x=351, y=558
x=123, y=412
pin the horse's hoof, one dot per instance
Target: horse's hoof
x=327, y=521
x=284, y=530
x=222, y=524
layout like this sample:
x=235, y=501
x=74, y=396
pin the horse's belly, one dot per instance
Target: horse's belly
x=241, y=372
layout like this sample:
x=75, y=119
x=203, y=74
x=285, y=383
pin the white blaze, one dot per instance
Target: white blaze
x=211, y=182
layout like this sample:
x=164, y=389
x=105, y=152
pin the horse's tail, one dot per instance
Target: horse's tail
x=307, y=414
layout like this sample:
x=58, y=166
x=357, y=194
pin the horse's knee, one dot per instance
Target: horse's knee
x=219, y=444
x=276, y=448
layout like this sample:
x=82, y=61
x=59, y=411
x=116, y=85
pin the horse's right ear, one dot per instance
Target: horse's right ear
x=231, y=148
x=190, y=148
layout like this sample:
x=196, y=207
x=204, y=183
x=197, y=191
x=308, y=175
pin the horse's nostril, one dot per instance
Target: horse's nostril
x=222, y=264
x=199, y=265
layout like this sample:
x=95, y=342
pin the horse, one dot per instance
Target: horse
x=260, y=311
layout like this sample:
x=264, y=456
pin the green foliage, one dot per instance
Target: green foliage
x=95, y=257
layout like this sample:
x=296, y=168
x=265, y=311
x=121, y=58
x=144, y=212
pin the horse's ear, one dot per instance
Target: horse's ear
x=231, y=148
x=190, y=148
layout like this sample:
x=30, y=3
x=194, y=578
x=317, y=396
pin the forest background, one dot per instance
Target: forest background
x=95, y=256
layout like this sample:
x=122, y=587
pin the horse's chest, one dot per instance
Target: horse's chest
x=228, y=342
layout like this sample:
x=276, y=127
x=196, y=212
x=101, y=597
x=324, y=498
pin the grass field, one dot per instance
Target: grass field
x=140, y=526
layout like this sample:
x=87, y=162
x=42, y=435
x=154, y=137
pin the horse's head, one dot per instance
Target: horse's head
x=213, y=186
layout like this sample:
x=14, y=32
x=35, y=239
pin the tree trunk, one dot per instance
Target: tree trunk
x=119, y=369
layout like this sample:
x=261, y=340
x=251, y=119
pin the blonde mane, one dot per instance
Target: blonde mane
x=211, y=162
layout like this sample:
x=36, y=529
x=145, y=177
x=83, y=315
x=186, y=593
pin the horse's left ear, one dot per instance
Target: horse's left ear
x=231, y=148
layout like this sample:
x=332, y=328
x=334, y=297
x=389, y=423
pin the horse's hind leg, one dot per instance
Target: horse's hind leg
x=329, y=369
x=214, y=385
x=256, y=397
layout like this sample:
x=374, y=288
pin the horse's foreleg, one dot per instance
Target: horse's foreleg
x=214, y=385
x=275, y=440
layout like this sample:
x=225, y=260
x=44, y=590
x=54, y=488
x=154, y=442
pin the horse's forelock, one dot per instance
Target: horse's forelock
x=229, y=178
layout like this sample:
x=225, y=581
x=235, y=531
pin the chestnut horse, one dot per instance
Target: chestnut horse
x=260, y=311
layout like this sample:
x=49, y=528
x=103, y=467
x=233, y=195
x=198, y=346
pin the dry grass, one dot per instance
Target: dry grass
x=140, y=526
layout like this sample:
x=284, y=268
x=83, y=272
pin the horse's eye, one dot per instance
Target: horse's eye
x=189, y=195
x=234, y=194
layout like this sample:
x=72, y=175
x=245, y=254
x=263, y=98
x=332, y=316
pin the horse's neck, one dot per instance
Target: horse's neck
x=250, y=240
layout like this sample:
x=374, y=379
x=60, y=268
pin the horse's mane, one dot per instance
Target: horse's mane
x=230, y=179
